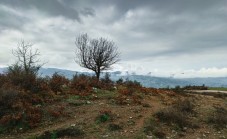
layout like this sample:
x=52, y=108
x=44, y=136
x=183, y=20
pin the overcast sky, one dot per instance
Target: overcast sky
x=162, y=37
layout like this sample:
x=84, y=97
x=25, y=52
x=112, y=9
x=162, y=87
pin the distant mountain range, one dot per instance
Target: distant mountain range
x=145, y=80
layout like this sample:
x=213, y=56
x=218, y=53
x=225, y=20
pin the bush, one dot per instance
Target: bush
x=69, y=132
x=203, y=87
x=17, y=109
x=106, y=78
x=3, y=79
x=152, y=127
x=104, y=116
x=106, y=83
x=172, y=116
x=178, y=113
x=185, y=106
x=7, y=99
x=218, y=118
x=114, y=127
x=82, y=84
x=132, y=84
x=120, y=81
x=57, y=81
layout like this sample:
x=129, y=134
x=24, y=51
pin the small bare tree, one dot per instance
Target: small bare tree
x=26, y=58
x=96, y=54
x=24, y=71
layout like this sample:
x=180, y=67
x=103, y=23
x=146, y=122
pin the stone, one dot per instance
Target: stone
x=73, y=125
x=149, y=137
x=185, y=128
x=105, y=136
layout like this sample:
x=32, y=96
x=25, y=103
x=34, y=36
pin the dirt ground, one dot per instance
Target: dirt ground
x=130, y=117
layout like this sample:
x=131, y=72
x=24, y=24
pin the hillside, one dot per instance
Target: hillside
x=145, y=80
x=57, y=108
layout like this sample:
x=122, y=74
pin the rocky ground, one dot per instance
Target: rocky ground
x=154, y=114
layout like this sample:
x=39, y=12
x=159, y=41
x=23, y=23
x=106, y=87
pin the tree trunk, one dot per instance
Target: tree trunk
x=97, y=74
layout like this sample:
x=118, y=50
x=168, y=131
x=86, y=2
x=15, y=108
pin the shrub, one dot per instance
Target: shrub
x=218, y=118
x=106, y=83
x=68, y=132
x=120, y=81
x=82, y=84
x=106, y=78
x=121, y=100
x=153, y=127
x=132, y=84
x=103, y=116
x=114, y=127
x=7, y=98
x=17, y=109
x=172, y=116
x=3, y=79
x=71, y=131
x=18, y=77
x=126, y=91
x=189, y=87
x=41, y=85
x=57, y=81
x=185, y=106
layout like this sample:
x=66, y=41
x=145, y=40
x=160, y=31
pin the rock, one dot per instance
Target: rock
x=88, y=102
x=73, y=125
x=38, y=105
x=185, y=128
x=149, y=137
x=105, y=136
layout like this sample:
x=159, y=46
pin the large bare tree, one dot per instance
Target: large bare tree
x=96, y=54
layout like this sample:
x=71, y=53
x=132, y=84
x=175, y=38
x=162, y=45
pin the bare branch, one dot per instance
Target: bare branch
x=95, y=54
x=26, y=58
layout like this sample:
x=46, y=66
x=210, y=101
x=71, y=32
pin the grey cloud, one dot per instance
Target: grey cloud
x=50, y=7
x=165, y=29
x=88, y=11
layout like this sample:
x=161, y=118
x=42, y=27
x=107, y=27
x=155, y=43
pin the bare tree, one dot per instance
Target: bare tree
x=96, y=54
x=26, y=58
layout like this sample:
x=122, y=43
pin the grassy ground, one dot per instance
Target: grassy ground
x=217, y=88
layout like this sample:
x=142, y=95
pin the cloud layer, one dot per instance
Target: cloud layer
x=162, y=37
